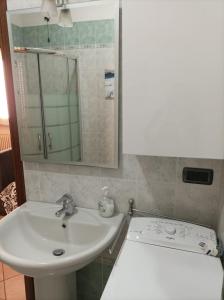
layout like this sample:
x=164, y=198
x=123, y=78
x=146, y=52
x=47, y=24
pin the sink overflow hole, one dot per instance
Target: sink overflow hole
x=58, y=252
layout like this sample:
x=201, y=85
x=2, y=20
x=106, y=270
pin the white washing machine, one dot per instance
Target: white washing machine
x=165, y=259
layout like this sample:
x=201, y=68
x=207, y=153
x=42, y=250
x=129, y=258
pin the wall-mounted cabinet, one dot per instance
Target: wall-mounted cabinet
x=173, y=78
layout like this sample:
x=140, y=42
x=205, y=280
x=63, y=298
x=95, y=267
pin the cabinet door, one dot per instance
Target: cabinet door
x=173, y=78
x=28, y=105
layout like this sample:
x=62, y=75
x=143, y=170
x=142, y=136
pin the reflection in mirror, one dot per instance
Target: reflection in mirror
x=66, y=82
x=5, y=139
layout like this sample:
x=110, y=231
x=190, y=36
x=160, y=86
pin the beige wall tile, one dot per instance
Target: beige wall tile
x=154, y=182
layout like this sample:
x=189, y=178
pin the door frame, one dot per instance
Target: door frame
x=18, y=165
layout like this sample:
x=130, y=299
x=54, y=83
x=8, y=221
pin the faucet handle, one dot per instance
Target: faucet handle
x=65, y=199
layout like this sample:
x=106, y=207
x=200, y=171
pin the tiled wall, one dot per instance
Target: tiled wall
x=154, y=182
x=97, y=114
x=82, y=33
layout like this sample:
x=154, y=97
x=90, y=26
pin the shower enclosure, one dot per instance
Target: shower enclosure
x=48, y=105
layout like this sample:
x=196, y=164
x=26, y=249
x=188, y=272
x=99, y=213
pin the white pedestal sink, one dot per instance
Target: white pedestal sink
x=31, y=233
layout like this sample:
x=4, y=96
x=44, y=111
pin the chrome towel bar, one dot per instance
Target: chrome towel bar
x=132, y=211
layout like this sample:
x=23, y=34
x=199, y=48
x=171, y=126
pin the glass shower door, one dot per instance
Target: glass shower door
x=29, y=106
x=55, y=104
x=60, y=107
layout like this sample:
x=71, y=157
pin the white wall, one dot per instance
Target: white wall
x=99, y=11
x=173, y=78
x=23, y=4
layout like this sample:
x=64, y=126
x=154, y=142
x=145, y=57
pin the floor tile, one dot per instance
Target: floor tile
x=2, y=291
x=15, y=289
x=9, y=272
x=1, y=272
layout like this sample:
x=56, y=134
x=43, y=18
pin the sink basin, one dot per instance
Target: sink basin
x=31, y=233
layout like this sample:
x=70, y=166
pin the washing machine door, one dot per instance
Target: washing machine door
x=147, y=272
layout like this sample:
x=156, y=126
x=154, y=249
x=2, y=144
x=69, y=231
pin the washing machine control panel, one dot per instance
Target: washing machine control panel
x=173, y=234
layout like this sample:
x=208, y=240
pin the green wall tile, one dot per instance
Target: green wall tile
x=82, y=33
x=30, y=36
x=42, y=35
x=72, y=35
x=104, y=31
x=56, y=35
x=87, y=32
x=17, y=35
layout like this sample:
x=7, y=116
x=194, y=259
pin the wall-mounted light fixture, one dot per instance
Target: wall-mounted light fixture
x=65, y=17
x=49, y=9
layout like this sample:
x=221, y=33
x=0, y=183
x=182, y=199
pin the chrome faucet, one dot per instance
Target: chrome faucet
x=69, y=206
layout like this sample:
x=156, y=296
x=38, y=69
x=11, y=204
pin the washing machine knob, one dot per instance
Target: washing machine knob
x=170, y=229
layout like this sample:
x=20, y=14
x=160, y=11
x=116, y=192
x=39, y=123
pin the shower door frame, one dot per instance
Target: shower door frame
x=55, y=53
x=67, y=58
x=18, y=165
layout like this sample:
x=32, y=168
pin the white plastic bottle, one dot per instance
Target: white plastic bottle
x=106, y=205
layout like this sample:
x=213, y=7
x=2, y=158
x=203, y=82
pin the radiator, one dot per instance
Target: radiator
x=5, y=142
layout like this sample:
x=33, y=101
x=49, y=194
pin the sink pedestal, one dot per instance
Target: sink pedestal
x=56, y=288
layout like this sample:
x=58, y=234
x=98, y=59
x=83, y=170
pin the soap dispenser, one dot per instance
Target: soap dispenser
x=106, y=205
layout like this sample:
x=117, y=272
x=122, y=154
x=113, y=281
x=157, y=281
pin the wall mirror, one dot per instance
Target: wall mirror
x=66, y=83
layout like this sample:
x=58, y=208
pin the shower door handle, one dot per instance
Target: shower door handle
x=39, y=142
x=50, y=145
